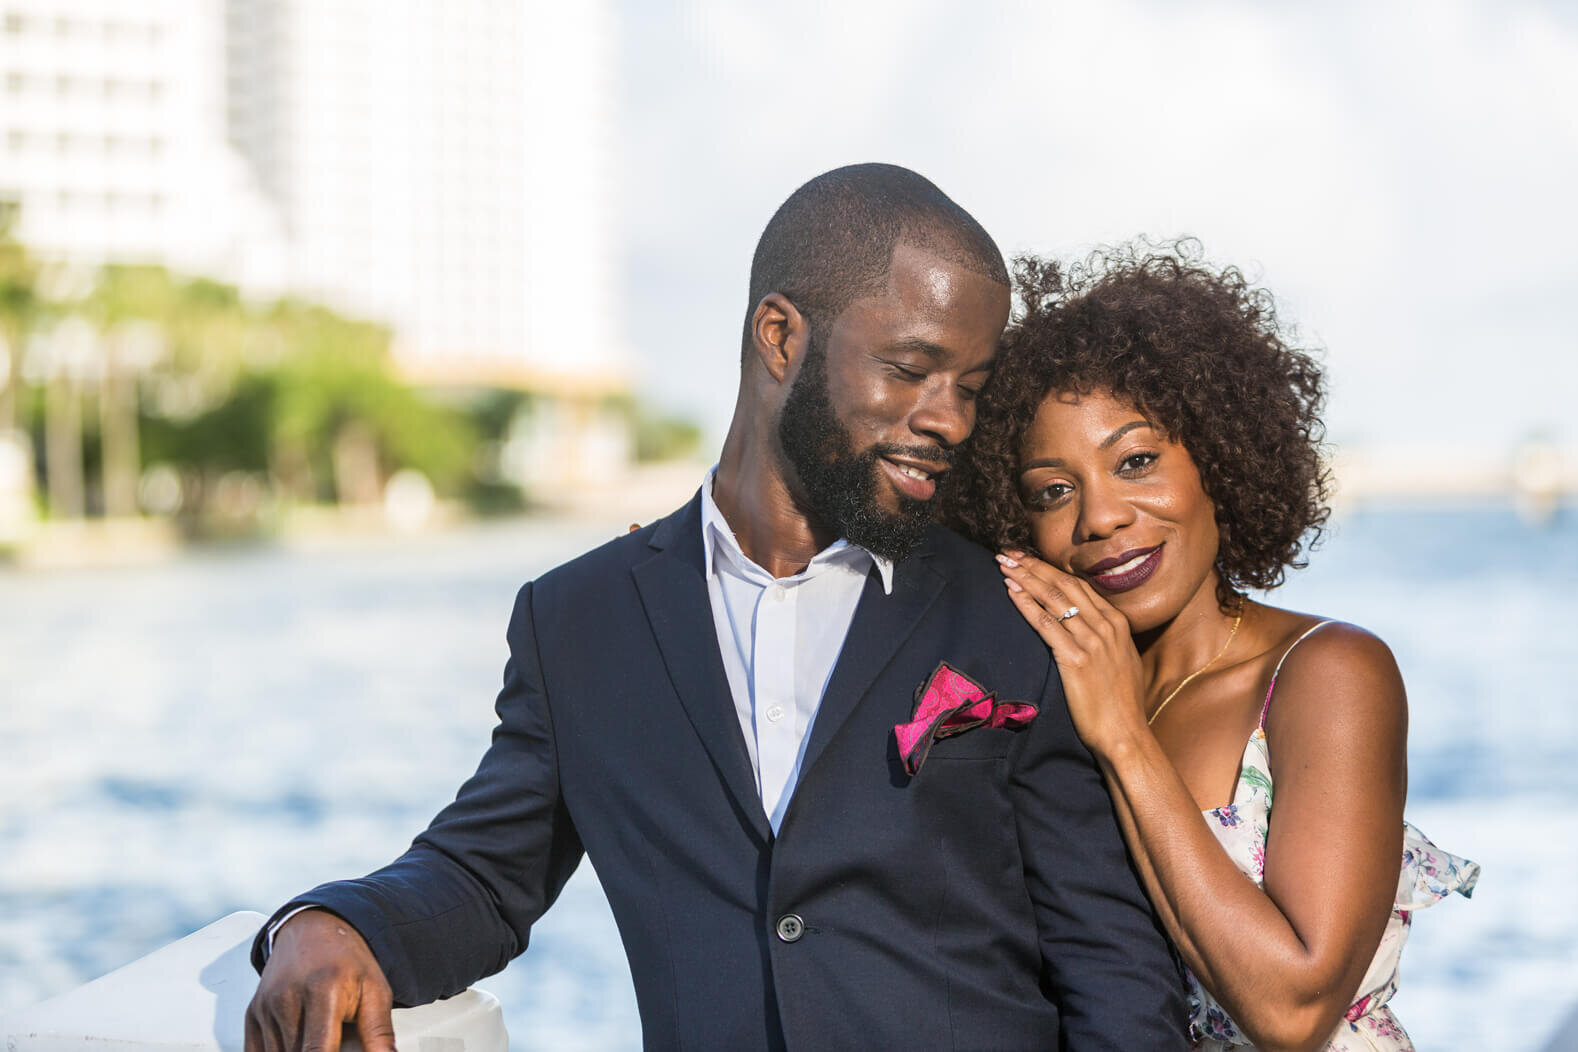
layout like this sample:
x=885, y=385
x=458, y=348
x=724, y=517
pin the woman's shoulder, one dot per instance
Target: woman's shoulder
x=1299, y=640
x=1332, y=665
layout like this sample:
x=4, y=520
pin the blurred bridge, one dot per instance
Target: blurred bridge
x=511, y=374
x=572, y=439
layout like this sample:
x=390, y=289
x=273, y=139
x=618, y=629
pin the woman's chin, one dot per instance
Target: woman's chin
x=1143, y=616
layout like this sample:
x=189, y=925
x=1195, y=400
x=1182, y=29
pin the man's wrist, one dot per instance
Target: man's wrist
x=273, y=930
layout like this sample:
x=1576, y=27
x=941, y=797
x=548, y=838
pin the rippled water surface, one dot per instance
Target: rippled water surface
x=217, y=733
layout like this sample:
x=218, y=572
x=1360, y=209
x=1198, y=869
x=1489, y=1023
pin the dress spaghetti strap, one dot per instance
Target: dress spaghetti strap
x=1266, y=706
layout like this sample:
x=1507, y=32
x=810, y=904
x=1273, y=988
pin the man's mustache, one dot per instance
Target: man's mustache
x=929, y=454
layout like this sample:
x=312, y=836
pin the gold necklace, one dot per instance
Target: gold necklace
x=1174, y=693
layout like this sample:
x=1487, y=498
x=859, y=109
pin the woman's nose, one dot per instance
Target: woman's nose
x=1103, y=512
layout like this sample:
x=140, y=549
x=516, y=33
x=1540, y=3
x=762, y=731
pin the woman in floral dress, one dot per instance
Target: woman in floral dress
x=1149, y=449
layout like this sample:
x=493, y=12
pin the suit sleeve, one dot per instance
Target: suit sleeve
x=461, y=902
x=1105, y=959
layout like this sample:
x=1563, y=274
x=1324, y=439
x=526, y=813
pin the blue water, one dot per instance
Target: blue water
x=219, y=732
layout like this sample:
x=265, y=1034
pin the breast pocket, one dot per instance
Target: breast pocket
x=959, y=798
x=982, y=743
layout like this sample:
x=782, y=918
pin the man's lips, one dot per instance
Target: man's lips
x=1128, y=570
x=916, y=479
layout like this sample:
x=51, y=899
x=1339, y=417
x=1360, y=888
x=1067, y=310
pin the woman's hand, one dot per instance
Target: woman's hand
x=1094, y=649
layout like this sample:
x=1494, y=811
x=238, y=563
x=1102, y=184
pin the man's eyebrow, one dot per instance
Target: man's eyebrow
x=914, y=343
x=936, y=352
x=1108, y=442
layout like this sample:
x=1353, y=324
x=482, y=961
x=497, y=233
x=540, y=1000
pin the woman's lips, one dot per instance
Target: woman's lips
x=1135, y=569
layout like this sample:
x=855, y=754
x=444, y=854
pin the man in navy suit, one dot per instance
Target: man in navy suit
x=706, y=708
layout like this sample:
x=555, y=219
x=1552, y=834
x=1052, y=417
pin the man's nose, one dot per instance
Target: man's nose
x=944, y=415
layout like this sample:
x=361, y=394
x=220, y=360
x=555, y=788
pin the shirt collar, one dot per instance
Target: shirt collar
x=716, y=533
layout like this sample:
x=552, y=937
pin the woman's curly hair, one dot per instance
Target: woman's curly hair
x=1201, y=354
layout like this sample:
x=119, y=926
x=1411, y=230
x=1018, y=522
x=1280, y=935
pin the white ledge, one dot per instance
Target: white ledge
x=192, y=996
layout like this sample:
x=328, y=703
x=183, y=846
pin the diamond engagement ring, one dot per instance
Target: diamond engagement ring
x=1065, y=615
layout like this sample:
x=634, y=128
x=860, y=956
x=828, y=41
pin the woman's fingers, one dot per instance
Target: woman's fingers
x=1093, y=647
x=1093, y=606
x=1046, y=606
x=1034, y=609
x=1044, y=591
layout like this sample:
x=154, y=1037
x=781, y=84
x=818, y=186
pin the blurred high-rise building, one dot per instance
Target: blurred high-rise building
x=112, y=140
x=443, y=166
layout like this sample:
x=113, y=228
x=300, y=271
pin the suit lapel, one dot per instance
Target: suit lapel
x=882, y=624
x=673, y=587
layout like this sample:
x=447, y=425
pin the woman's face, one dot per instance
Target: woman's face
x=1112, y=499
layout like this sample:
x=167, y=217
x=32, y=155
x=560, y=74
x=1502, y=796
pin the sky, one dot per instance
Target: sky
x=1400, y=175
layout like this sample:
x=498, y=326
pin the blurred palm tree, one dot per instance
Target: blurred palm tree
x=18, y=308
x=343, y=421
x=125, y=301
x=185, y=339
x=295, y=396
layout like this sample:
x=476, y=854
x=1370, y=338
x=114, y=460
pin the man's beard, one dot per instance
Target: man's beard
x=840, y=483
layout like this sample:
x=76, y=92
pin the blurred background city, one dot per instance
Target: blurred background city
x=325, y=323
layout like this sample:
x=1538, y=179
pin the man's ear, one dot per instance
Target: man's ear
x=779, y=334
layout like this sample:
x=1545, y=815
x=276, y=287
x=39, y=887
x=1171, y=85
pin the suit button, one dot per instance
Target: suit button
x=790, y=927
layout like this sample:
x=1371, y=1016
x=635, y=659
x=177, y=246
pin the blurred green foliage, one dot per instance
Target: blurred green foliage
x=271, y=390
x=298, y=401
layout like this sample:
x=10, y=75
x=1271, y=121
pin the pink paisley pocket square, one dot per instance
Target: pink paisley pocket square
x=950, y=703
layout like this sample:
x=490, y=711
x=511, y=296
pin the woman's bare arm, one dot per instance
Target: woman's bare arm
x=1285, y=961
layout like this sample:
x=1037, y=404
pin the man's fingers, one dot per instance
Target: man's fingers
x=263, y=1025
x=254, y=1032
x=322, y=1021
x=374, y=1023
x=321, y=976
x=274, y=1039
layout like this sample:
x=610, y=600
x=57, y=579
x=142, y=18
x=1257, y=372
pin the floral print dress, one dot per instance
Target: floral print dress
x=1428, y=874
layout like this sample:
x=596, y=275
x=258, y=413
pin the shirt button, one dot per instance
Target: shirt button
x=790, y=927
x=779, y=593
x=775, y=713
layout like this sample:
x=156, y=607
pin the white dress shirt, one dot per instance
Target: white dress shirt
x=780, y=638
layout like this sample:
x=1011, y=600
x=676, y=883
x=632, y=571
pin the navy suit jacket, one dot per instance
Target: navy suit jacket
x=986, y=902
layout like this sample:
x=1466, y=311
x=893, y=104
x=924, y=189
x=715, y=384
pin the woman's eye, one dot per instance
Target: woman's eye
x=1137, y=461
x=1049, y=495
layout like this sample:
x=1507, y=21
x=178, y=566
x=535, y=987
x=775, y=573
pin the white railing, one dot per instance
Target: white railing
x=192, y=996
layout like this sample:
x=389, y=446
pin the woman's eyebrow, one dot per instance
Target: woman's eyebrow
x=1058, y=462
x=1125, y=429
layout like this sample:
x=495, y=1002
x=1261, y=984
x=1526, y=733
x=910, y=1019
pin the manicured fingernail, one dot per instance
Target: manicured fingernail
x=1006, y=560
x=1013, y=585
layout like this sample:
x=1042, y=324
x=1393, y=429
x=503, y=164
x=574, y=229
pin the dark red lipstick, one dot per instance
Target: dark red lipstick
x=1133, y=574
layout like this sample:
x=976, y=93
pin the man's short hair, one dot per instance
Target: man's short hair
x=832, y=241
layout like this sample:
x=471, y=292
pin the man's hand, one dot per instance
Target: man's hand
x=320, y=976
